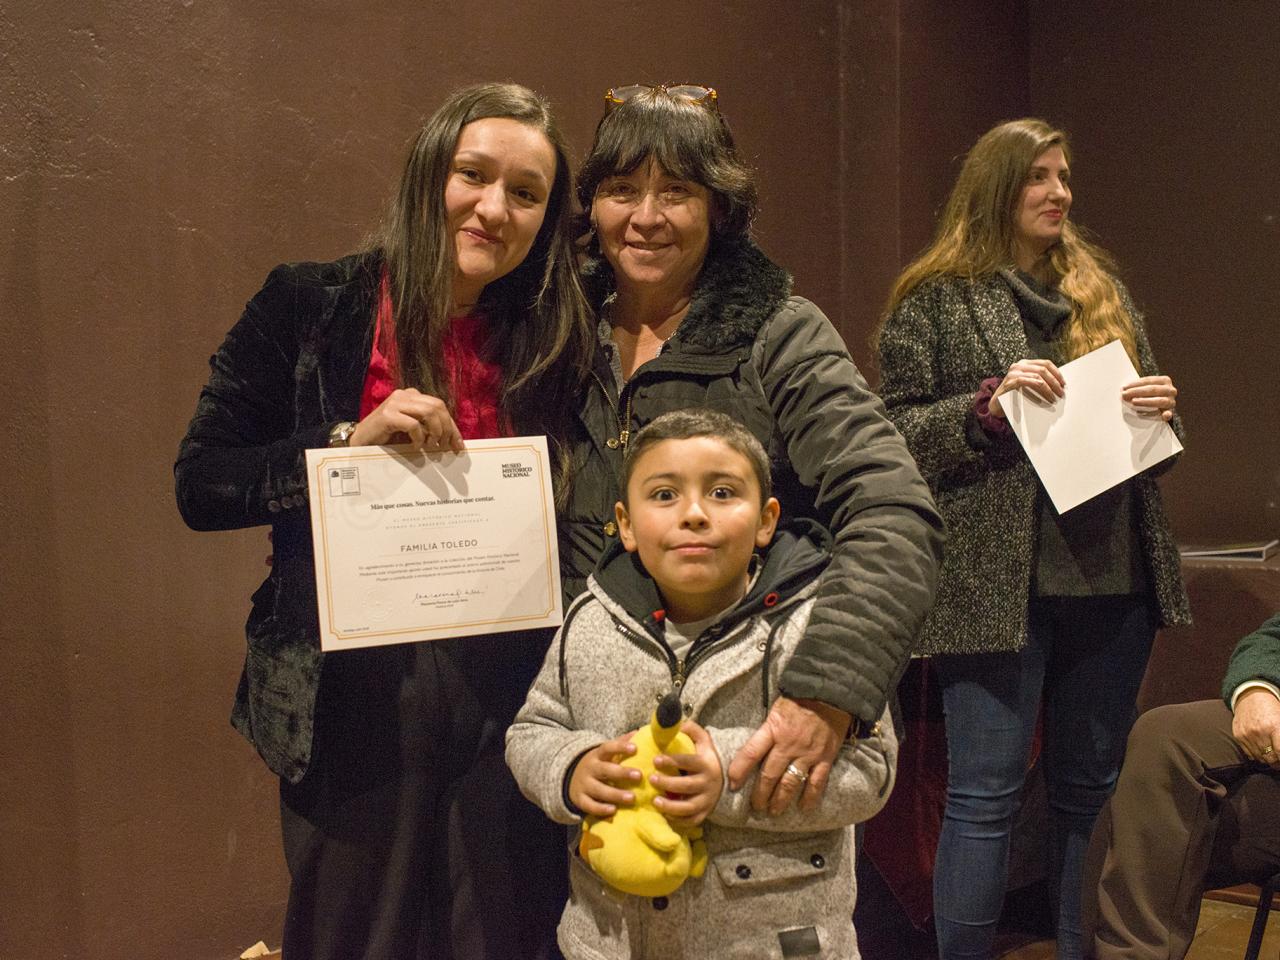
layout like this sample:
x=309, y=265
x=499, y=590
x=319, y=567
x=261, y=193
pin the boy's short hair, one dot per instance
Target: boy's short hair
x=699, y=422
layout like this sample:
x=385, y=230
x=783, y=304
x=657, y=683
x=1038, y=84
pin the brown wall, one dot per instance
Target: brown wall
x=920, y=81
x=156, y=159
x=1172, y=108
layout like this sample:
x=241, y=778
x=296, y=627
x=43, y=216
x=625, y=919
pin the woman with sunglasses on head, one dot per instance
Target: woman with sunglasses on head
x=404, y=834
x=692, y=313
x=1033, y=605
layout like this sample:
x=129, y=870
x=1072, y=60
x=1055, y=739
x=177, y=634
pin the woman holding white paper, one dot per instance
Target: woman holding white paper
x=404, y=833
x=1033, y=606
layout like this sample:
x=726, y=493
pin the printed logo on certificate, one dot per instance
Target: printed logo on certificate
x=412, y=546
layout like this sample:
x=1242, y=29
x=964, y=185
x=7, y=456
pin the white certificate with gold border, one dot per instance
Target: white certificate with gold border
x=414, y=546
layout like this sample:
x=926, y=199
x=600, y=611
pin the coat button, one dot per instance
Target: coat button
x=743, y=871
x=612, y=443
x=273, y=506
x=610, y=529
x=688, y=709
x=660, y=903
x=818, y=861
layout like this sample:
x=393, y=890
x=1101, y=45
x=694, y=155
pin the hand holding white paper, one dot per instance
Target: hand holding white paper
x=419, y=546
x=1089, y=440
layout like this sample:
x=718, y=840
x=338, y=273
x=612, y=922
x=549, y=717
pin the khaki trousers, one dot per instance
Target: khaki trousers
x=1190, y=812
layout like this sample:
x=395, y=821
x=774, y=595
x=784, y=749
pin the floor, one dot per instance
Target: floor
x=1222, y=935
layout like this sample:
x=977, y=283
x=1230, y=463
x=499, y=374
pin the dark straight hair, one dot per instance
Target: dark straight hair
x=688, y=140
x=699, y=422
x=539, y=320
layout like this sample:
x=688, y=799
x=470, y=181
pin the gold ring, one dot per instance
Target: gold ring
x=1267, y=749
x=797, y=772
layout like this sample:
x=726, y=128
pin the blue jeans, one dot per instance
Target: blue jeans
x=1085, y=656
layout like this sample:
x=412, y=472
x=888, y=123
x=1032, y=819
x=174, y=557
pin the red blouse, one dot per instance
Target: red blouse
x=475, y=383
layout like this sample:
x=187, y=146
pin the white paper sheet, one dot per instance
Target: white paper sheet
x=1089, y=440
x=414, y=546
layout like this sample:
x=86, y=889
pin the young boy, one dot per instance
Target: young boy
x=684, y=602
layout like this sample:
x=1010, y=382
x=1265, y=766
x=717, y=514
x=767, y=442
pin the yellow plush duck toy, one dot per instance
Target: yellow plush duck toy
x=637, y=850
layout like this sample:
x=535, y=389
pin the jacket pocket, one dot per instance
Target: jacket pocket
x=779, y=899
x=595, y=920
x=793, y=860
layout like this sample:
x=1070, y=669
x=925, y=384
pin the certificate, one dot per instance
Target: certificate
x=417, y=546
x=1089, y=440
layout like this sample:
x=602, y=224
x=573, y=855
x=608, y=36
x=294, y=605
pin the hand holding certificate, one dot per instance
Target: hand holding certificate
x=1089, y=440
x=418, y=546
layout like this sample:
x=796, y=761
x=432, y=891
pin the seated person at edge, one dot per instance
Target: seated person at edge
x=693, y=314
x=1034, y=607
x=1197, y=806
x=685, y=585
x=404, y=834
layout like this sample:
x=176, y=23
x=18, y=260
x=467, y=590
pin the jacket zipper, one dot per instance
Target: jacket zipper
x=646, y=644
x=624, y=424
x=699, y=654
x=680, y=667
x=623, y=419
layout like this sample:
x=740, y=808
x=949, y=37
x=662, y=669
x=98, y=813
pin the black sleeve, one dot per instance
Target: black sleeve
x=242, y=453
x=887, y=533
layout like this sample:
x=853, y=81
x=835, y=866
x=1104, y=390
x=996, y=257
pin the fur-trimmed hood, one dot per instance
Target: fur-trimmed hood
x=800, y=550
x=738, y=289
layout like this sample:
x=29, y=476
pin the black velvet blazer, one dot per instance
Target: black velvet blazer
x=292, y=367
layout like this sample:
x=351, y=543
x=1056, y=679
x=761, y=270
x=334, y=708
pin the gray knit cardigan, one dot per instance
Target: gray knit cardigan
x=936, y=348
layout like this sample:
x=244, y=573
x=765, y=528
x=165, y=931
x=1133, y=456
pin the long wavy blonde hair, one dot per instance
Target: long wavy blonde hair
x=975, y=238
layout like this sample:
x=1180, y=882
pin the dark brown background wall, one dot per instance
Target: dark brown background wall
x=1177, y=137
x=156, y=159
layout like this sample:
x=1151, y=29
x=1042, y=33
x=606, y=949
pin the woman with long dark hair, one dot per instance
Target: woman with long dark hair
x=404, y=834
x=1033, y=605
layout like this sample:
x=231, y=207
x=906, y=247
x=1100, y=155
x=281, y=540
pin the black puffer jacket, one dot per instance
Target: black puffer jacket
x=776, y=363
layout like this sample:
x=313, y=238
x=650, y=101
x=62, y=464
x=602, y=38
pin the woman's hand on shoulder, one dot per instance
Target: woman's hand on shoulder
x=409, y=416
x=1151, y=396
x=1041, y=377
x=797, y=735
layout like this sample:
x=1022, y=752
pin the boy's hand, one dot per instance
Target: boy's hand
x=696, y=778
x=592, y=786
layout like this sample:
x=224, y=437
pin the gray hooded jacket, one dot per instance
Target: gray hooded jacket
x=774, y=886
